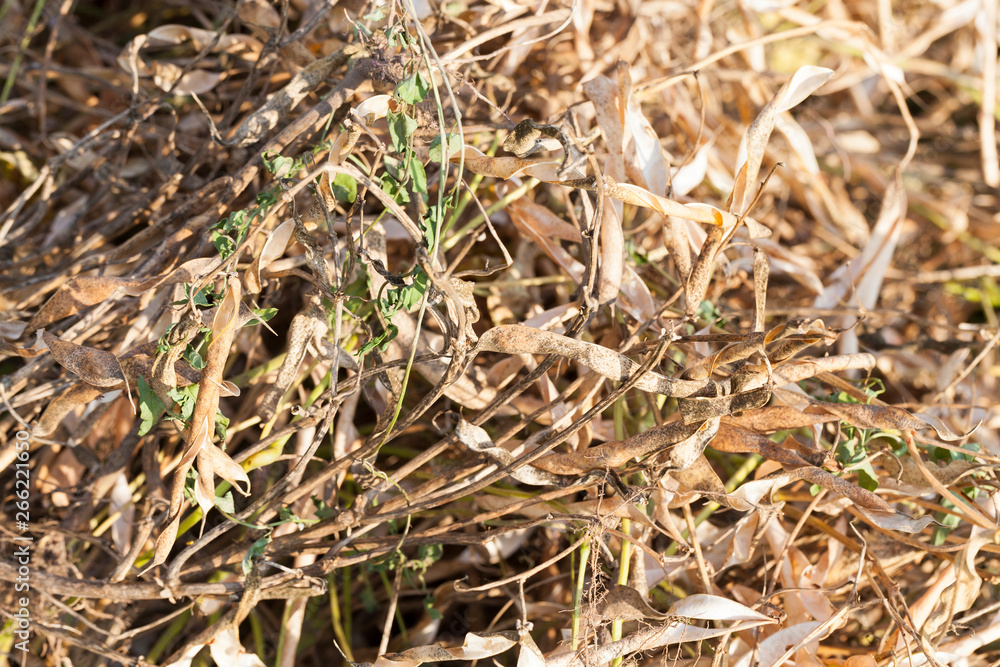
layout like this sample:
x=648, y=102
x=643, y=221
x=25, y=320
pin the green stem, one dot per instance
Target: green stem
x=25, y=41
x=623, y=567
x=578, y=592
x=514, y=194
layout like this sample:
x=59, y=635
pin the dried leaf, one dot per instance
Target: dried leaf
x=93, y=366
x=274, y=247
x=84, y=291
x=530, y=655
x=475, y=647
x=699, y=476
x=646, y=639
x=885, y=417
x=622, y=603
x=803, y=83
x=688, y=451
x=59, y=407
x=698, y=409
x=772, y=648
x=517, y=339
x=476, y=439
x=227, y=650
x=715, y=608
x=615, y=454
x=199, y=435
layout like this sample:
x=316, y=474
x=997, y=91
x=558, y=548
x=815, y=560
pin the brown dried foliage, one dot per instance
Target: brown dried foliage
x=633, y=362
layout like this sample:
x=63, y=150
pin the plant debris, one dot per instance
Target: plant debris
x=542, y=333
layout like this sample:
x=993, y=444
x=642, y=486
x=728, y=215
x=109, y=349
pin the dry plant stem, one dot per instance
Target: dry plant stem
x=987, y=108
x=969, y=510
x=137, y=199
x=390, y=612
x=706, y=579
x=796, y=513
x=823, y=629
x=274, y=587
x=945, y=552
x=524, y=575
x=656, y=85
x=162, y=620
x=967, y=370
x=317, y=115
x=232, y=616
x=791, y=538
x=63, y=635
x=905, y=624
x=50, y=46
x=553, y=440
x=145, y=529
x=562, y=15
x=962, y=273
x=435, y=535
x=173, y=574
x=254, y=128
x=502, y=399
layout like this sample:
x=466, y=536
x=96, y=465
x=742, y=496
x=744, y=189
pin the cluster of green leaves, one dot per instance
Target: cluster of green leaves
x=396, y=33
x=227, y=506
x=395, y=299
x=152, y=409
x=405, y=180
x=206, y=297
x=852, y=451
x=404, y=172
x=231, y=231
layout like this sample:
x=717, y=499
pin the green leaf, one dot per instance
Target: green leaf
x=261, y=315
x=709, y=313
x=265, y=200
x=401, y=127
x=419, y=176
x=411, y=295
x=278, y=165
x=323, y=511
x=850, y=452
x=381, y=342
x=431, y=224
x=369, y=601
x=202, y=298
x=223, y=244
x=255, y=551
x=376, y=15
x=185, y=398
x=436, y=152
x=226, y=503
x=221, y=424
x=345, y=188
x=413, y=90
x=866, y=481
x=193, y=357
x=394, y=189
x=429, y=608
x=162, y=347
x=396, y=35
x=235, y=222
x=151, y=408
